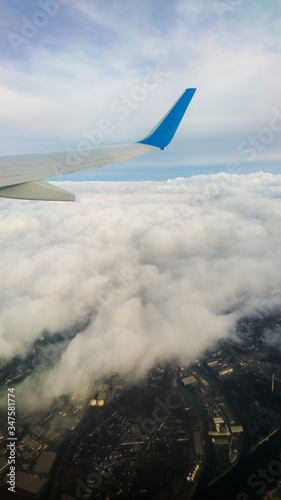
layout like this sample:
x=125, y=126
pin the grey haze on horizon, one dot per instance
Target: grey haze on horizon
x=162, y=269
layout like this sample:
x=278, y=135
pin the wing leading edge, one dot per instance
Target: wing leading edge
x=21, y=174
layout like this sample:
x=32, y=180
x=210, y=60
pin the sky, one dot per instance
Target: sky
x=66, y=65
x=162, y=259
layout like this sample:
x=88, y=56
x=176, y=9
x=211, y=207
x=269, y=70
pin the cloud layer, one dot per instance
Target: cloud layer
x=162, y=270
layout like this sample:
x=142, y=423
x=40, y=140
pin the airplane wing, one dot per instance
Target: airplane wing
x=21, y=174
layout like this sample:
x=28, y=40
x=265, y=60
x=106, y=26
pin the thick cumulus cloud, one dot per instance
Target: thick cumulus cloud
x=153, y=271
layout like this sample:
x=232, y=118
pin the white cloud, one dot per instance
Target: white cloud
x=164, y=269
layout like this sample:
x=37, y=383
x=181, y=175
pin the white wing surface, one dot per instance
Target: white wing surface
x=21, y=174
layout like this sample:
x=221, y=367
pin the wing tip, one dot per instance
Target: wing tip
x=162, y=134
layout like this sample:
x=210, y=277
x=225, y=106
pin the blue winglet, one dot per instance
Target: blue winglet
x=165, y=130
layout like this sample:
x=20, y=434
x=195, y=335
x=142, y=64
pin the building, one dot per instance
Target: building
x=226, y=371
x=211, y=364
x=3, y=464
x=102, y=395
x=197, y=443
x=236, y=428
x=70, y=423
x=45, y=462
x=189, y=380
x=51, y=434
x=37, y=430
x=29, y=485
x=28, y=442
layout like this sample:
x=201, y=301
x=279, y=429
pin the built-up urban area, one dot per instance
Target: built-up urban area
x=197, y=431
